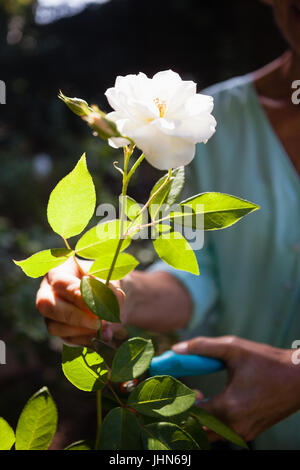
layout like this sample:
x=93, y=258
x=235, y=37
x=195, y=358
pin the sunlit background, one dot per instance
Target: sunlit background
x=51, y=10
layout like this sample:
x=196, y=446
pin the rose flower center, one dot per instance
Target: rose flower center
x=161, y=105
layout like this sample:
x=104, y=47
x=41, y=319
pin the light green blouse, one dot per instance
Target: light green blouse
x=249, y=283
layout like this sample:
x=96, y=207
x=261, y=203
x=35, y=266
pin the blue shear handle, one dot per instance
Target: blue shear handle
x=178, y=365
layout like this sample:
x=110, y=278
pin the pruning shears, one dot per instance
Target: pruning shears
x=168, y=363
x=179, y=365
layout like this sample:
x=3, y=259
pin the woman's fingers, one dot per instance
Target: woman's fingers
x=59, y=300
x=222, y=347
x=65, y=282
x=112, y=331
x=84, y=340
x=63, y=331
x=119, y=293
x=69, y=268
x=53, y=307
x=68, y=289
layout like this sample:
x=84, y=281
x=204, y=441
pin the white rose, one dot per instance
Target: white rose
x=164, y=116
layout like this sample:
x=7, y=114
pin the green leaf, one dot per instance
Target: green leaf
x=80, y=445
x=132, y=359
x=100, y=299
x=168, y=194
x=106, y=351
x=176, y=419
x=192, y=426
x=72, y=202
x=124, y=265
x=84, y=368
x=40, y=263
x=167, y=436
x=132, y=208
x=37, y=422
x=219, y=210
x=120, y=430
x=7, y=435
x=102, y=239
x=161, y=396
x=108, y=403
x=174, y=250
x=214, y=424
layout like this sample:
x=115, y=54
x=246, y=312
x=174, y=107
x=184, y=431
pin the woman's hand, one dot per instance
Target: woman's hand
x=263, y=384
x=154, y=301
x=59, y=301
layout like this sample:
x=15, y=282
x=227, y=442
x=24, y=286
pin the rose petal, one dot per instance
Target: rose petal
x=161, y=150
x=164, y=116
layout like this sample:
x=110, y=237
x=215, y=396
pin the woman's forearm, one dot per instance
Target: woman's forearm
x=155, y=301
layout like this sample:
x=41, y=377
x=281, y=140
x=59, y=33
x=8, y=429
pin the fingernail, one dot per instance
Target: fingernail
x=120, y=290
x=181, y=348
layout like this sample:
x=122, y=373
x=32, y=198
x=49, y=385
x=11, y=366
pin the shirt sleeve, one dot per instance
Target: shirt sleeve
x=202, y=176
x=202, y=289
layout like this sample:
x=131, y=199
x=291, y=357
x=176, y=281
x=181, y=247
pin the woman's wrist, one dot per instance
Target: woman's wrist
x=155, y=301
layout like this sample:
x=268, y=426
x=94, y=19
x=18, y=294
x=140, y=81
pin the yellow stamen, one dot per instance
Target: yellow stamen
x=162, y=106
